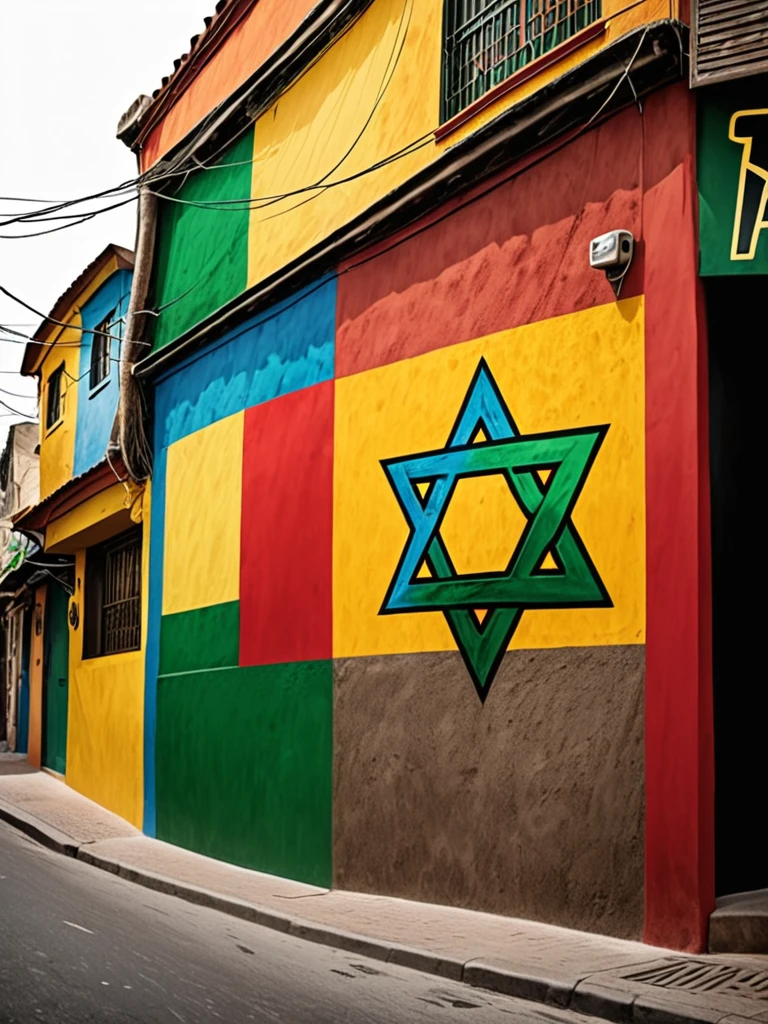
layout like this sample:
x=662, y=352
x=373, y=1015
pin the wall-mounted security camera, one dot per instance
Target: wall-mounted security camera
x=613, y=253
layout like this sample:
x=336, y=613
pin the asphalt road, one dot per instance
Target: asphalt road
x=78, y=944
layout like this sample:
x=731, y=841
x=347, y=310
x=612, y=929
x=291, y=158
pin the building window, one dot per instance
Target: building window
x=113, y=596
x=101, y=351
x=486, y=41
x=53, y=403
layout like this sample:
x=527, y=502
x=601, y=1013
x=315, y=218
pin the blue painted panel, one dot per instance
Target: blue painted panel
x=287, y=348
x=96, y=410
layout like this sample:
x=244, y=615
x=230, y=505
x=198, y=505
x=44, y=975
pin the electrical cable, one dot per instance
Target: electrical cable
x=58, y=323
x=16, y=394
x=156, y=175
x=75, y=221
x=10, y=408
x=403, y=237
x=393, y=62
x=52, y=212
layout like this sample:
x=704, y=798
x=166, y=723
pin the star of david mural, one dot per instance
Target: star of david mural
x=550, y=566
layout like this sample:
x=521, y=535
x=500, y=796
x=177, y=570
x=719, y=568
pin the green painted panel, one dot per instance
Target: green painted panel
x=202, y=253
x=243, y=766
x=733, y=178
x=201, y=639
x=55, y=679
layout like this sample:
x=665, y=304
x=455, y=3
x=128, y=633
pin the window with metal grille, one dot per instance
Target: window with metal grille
x=53, y=402
x=113, y=596
x=101, y=351
x=486, y=41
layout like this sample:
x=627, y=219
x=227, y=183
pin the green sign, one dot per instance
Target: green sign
x=733, y=178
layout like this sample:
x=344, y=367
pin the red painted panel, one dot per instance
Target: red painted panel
x=679, y=848
x=515, y=255
x=286, y=543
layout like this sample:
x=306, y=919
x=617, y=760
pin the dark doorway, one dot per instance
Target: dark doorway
x=735, y=310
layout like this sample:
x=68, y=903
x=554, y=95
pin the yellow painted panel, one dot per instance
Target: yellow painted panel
x=374, y=93
x=202, y=517
x=583, y=369
x=376, y=90
x=105, y=736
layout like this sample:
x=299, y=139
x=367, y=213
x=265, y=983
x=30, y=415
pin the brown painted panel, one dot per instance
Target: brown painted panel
x=531, y=805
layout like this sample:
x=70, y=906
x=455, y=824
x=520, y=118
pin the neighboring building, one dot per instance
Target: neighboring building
x=19, y=488
x=429, y=610
x=19, y=470
x=87, y=660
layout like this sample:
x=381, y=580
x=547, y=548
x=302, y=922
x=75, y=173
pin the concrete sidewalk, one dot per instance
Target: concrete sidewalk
x=608, y=978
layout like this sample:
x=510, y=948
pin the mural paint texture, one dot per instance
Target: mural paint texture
x=411, y=524
x=549, y=567
x=399, y=532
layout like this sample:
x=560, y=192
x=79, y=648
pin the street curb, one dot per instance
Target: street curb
x=38, y=830
x=584, y=995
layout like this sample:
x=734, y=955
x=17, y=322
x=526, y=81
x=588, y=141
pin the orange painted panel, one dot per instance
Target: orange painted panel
x=268, y=24
x=35, y=742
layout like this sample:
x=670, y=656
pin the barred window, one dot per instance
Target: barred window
x=101, y=351
x=486, y=41
x=113, y=596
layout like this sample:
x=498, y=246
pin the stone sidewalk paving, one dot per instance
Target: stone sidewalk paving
x=608, y=978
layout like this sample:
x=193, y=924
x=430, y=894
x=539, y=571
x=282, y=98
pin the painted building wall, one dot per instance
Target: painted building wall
x=106, y=694
x=271, y=22
x=415, y=665
x=57, y=442
x=263, y=28
x=103, y=745
x=62, y=348
x=96, y=407
x=234, y=692
x=373, y=96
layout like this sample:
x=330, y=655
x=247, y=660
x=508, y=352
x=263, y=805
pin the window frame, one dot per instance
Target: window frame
x=531, y=53
x=101, y=358
x=56, y=376
x=99, y=561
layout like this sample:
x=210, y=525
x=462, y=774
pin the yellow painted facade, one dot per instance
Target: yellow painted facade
x=202, y=517
x=106, y=694
x=373, y=94
x=105, y=706
x=584, y=369
x=57, y=443
x=61, y=347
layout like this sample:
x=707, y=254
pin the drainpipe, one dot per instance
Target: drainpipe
x=133, y=443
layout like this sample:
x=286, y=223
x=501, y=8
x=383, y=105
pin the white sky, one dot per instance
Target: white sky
x=69, y=69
